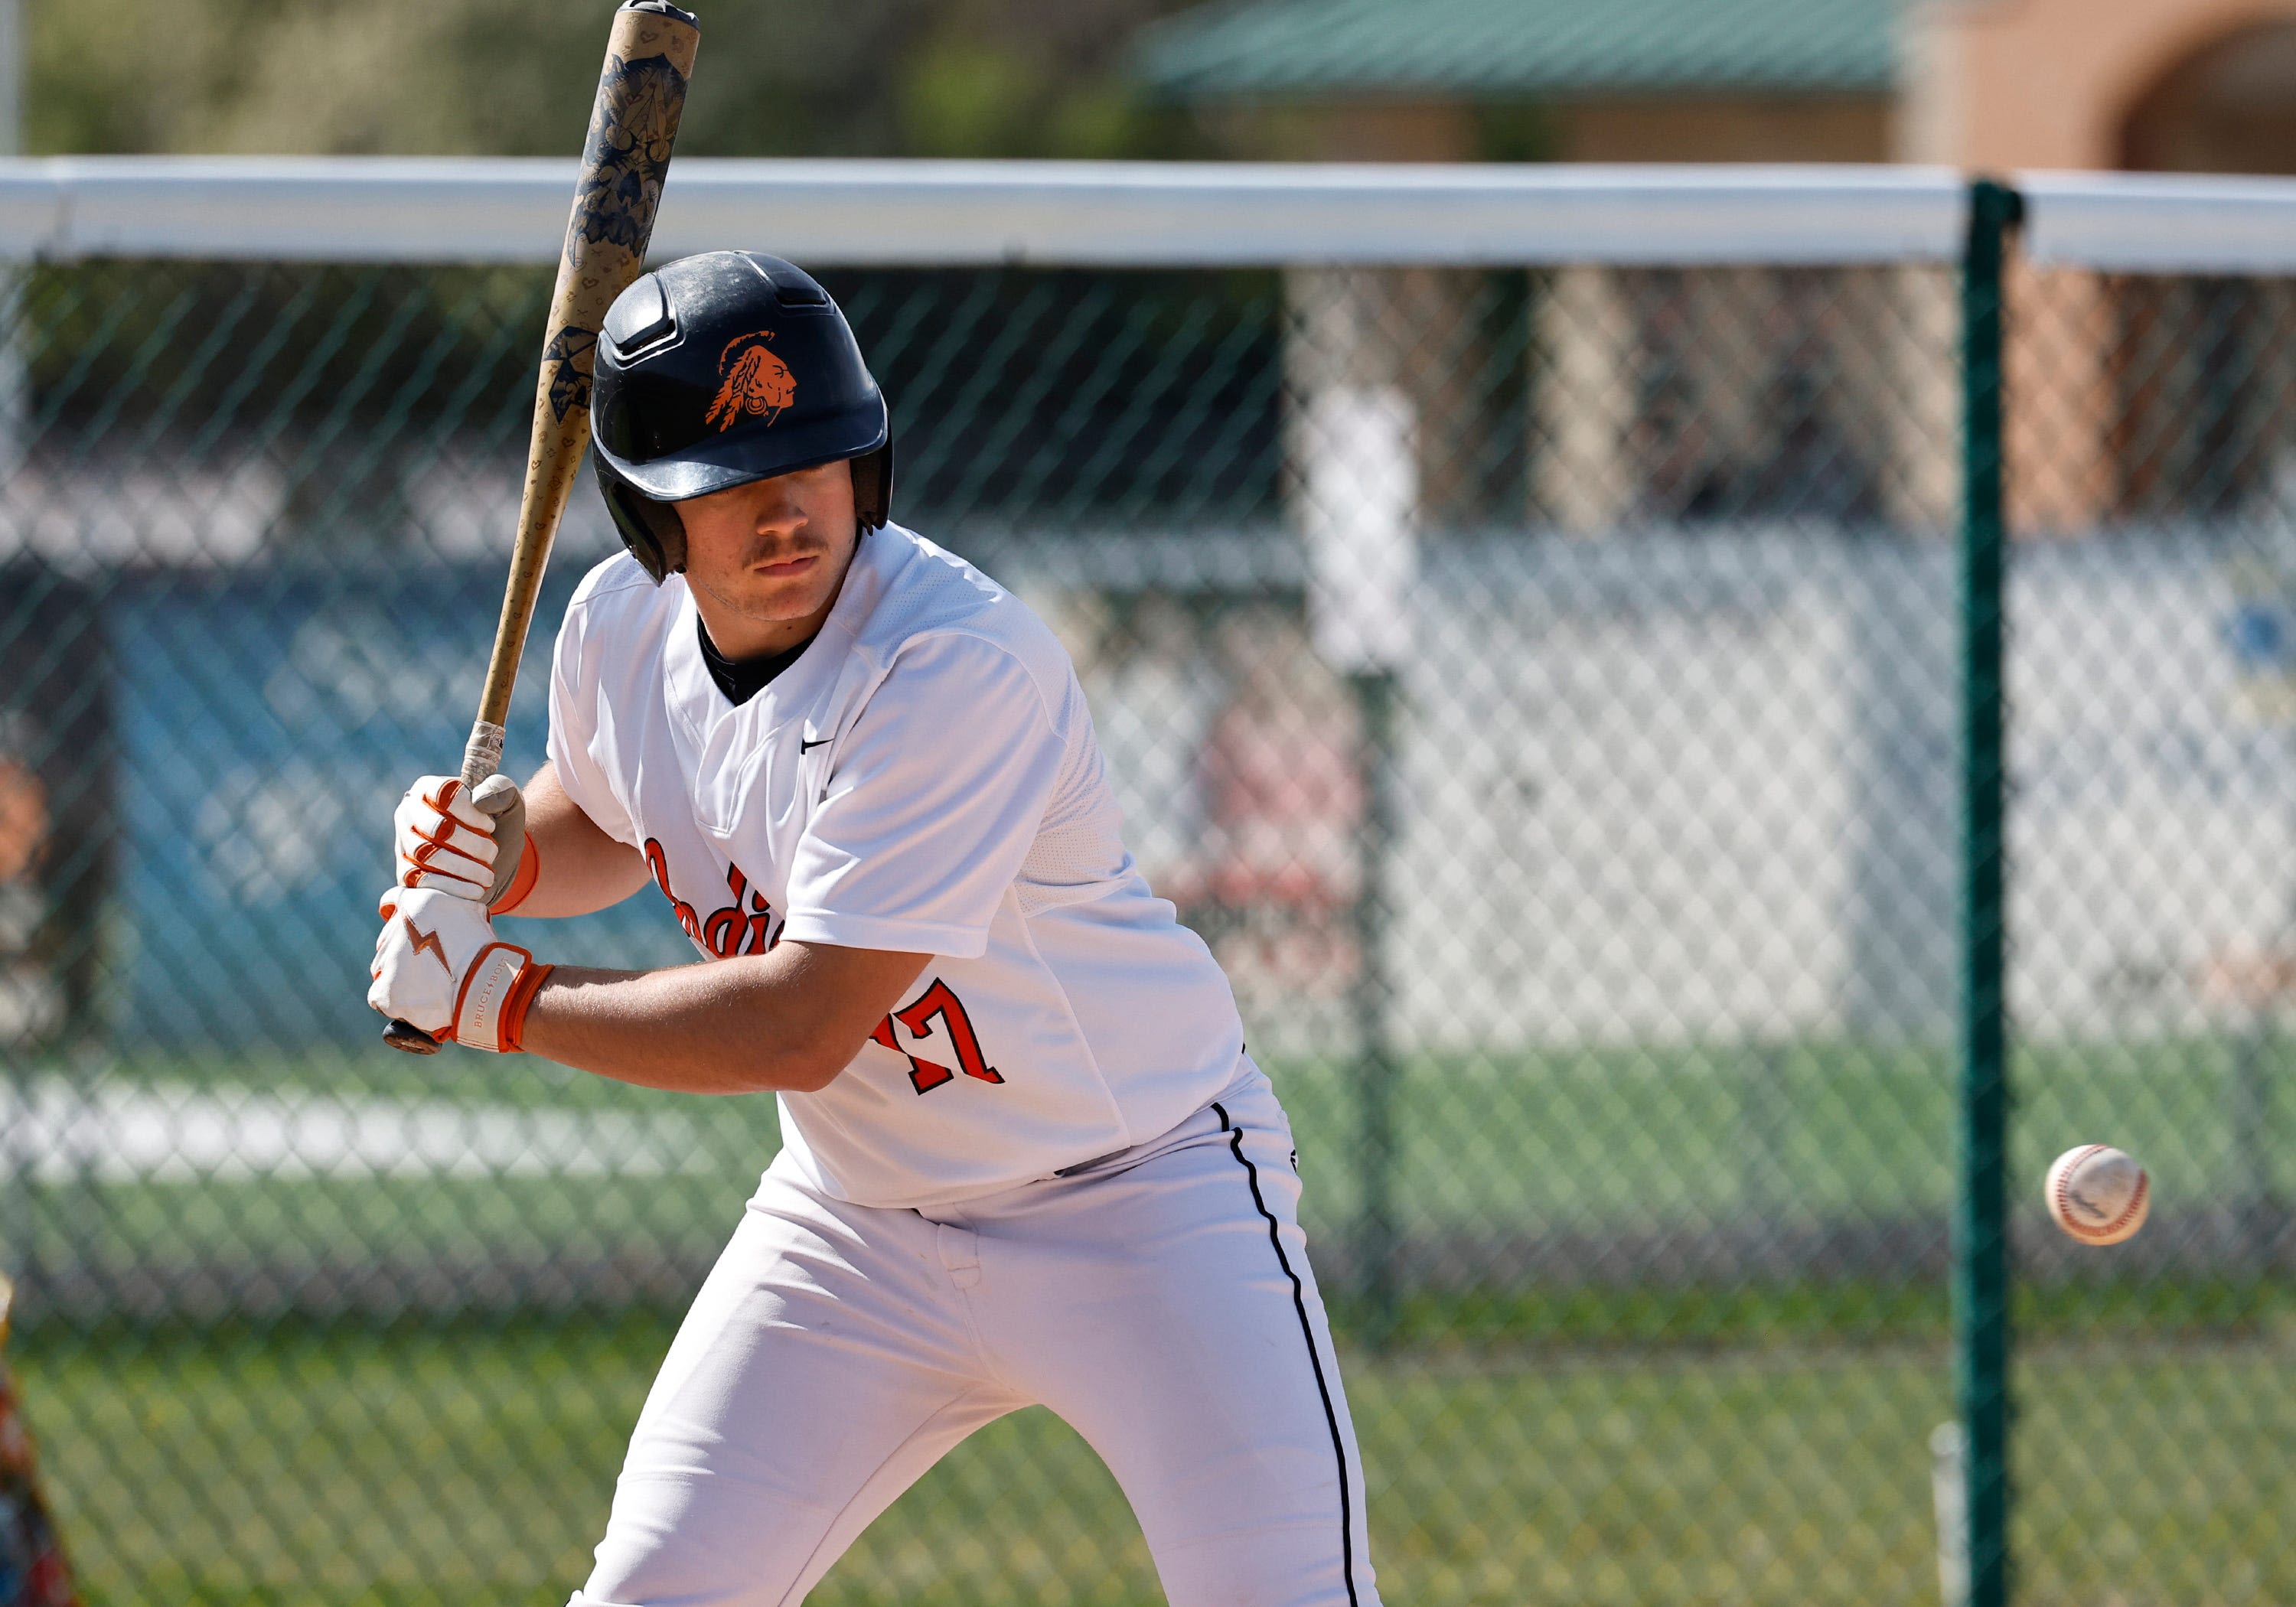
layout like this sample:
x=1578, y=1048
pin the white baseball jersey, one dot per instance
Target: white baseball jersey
x=923, y=779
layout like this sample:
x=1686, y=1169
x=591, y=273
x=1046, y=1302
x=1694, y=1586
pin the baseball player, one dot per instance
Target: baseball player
x=1025, y=1158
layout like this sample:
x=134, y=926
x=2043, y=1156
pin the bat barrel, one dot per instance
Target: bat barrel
x=632, y=127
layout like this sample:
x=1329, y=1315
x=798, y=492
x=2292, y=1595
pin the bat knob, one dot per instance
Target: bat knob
x=401, y=1034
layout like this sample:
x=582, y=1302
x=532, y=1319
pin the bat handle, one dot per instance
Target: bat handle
x=481, y=758
x=483, y=754
x=403, y=1035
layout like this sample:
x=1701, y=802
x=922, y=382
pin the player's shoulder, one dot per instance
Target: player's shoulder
x=925, y=592
x=617, y=608
x=617, y=580
x=614, y=623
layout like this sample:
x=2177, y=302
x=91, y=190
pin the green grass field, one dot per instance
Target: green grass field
x=466, y=1466
x=1665, y=1439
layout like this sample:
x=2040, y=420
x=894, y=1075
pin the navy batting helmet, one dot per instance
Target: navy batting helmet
x=716, y=370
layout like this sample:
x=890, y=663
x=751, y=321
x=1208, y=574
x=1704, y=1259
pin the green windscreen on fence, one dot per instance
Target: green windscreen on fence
x=1540, y=685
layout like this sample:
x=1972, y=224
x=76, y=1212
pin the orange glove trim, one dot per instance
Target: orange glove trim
x=521, y=999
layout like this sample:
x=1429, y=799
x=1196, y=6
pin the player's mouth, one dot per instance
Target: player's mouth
x=785, y=568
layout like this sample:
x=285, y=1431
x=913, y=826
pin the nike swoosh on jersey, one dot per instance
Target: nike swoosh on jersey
x=808, y=744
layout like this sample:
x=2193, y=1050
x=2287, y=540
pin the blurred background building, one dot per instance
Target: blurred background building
x=2205, y=85
x=2200, y=86
x=2190, y=85
x=1992, y=86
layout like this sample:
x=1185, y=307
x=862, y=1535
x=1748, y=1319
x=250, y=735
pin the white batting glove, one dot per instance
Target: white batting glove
x=438, y=966
x=468, y=841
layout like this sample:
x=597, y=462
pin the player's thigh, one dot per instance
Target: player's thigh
x=824, y=1367
x=1168, y=1312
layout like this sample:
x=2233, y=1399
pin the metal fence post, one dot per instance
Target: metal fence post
x=1980, y=1240
x=15, y=385
x=1375, y=1067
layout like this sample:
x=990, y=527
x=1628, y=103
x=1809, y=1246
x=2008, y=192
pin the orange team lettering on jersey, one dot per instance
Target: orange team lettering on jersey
x=728, y=932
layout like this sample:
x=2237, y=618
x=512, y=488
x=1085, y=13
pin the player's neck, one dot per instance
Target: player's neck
x=741, y=638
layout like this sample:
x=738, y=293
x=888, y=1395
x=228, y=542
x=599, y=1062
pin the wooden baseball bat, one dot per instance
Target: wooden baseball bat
x=640, y=95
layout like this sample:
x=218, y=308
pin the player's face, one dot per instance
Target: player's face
x=764, y=559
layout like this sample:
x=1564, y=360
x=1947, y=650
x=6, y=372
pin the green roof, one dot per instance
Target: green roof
x=1512, y=49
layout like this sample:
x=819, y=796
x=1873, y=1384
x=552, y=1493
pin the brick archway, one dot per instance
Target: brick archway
x=2226, y=106
x=1996, y=86
x=2054, y=83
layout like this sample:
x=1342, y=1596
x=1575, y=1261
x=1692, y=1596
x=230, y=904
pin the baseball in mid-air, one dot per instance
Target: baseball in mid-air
x=2097, y=1194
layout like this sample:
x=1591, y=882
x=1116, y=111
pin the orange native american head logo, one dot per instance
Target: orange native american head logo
x=755, y=380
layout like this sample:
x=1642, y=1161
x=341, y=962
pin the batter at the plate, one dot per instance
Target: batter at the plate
x=1026, y=1158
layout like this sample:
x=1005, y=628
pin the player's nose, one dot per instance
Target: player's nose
x=779, y=515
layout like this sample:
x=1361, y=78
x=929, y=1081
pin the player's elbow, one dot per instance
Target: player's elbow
x=816, y=1006
x=810, y=1069
x=822, y=1003
x=811, y=1058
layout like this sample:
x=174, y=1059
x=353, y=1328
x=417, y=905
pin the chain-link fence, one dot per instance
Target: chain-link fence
x=1541, y=679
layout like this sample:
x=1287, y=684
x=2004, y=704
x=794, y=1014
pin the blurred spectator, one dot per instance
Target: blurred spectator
x=1274, y=884
x=55, y=804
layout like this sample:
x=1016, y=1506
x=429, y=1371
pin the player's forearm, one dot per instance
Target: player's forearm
x=790, y=1019
x=694, y=1029
x=578, y=867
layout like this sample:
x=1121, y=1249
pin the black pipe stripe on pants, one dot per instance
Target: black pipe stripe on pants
x=1306, y=1333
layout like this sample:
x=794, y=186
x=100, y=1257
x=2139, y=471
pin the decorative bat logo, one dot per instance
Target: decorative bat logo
x=755, y=380
x=567, y=359
x=423, y=940
x=631, y=130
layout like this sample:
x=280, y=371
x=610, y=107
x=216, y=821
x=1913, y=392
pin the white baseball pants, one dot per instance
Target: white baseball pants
x=1158, y=1300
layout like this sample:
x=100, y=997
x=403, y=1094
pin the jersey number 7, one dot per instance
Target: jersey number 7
x=937, y=1001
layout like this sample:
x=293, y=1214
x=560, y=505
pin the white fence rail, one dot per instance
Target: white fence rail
x=863, y=212
x=2161, y=223
x=866, y=213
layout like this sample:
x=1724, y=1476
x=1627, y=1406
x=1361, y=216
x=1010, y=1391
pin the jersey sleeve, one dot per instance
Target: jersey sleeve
x=574, y=699
x=934, y=799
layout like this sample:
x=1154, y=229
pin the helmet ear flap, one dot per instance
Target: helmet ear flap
x=651, y=530
x=872, y=486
